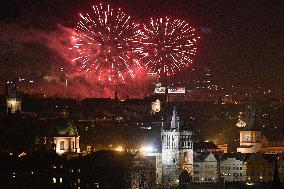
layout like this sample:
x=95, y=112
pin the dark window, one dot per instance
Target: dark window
x=62, y=145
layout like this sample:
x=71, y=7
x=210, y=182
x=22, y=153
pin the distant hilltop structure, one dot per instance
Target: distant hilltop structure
x=155, y=106
x=159, y=89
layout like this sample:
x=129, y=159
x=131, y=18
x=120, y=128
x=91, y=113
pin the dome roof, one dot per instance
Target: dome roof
x=67, y=127
x=59, y=127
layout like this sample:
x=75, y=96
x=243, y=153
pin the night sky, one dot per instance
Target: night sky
x=241, y=41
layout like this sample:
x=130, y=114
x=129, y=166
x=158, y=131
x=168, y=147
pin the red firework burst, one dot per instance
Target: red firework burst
x=104, y=40
x=167, y=45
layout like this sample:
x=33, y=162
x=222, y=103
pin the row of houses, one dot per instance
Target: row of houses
x=236, y=167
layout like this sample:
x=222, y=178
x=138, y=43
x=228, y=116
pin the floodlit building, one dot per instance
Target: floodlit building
x=250, y=138
x=14, y=103
x=231, y=167
x=61, y=135
x=206, y=168
x=253, y=140
x=177, y=152
x=156, y=106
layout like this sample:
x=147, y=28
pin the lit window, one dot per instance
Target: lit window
x=54, y=180
x=60, y=180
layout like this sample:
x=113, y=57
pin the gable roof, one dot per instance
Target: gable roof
x=203, y=157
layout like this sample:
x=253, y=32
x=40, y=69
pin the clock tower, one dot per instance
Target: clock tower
x=250, y=137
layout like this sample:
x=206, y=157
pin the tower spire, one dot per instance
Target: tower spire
x=175, y=120
x=250, y=117
x=162, y=128
x=167, y=94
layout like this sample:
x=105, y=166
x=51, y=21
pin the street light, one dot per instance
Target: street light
x=119, y=149
x=147, y=149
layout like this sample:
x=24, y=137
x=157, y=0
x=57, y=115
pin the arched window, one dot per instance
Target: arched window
x=62, y=145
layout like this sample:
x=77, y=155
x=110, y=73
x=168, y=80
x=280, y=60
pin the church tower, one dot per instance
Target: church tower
x=177, y=152
x=250, y=137
x=13, y=101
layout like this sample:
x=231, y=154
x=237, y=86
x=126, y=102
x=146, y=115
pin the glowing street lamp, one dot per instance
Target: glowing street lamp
x=119, y=149
x=148, y=149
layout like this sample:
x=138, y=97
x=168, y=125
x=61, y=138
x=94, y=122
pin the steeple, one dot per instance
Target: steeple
x=250, y=117
x=167, y=94
x=162, y=128
x=276, y=180
x=14, y=92
x=175, y=120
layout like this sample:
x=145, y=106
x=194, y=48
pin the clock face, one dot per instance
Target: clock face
x=247, y=138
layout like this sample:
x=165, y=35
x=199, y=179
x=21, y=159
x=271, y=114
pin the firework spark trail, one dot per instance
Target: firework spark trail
x=167, y=45
x=105, y=40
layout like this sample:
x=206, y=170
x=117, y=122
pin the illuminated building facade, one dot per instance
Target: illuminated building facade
x=205, y=168
x=177, y=152
x=13, y=101
x=231, y=167
x=250, y=138
x=62, y=136
x=156, y=106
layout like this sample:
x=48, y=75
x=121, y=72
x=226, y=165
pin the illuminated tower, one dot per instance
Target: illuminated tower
x=177, y=152
x=13, y=101
x=156, y=106
x=250, y=137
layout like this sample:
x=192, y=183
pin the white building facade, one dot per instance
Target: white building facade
x=61, y=135
x=67, y=144
x=206, y=168
x=231, y=169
